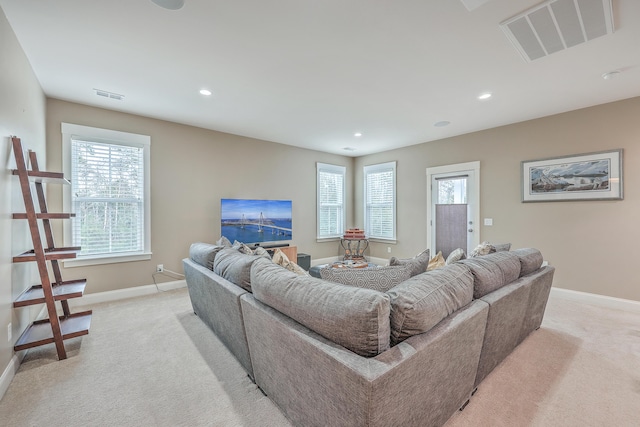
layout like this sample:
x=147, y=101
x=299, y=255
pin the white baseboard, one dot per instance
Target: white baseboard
x=9, y=373
x=119, y=294
x=597, y=300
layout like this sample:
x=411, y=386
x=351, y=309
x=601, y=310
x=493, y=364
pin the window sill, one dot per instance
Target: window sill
x=327, y=239
x=105, y=259
x=381, y=240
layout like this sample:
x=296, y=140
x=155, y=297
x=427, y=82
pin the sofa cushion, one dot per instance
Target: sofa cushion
x=235, y=267
x=204, y=253
x=355, y=318
x=377, y=278
x=420, y=303
x=493, y=271
x=530, y=260
x=418, y=264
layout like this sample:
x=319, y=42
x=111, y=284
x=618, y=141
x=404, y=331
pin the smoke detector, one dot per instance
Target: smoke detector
x=555, y=25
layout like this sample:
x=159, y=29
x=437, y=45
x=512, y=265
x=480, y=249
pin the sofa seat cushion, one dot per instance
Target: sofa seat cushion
x=204, y=253
x=377, y=278
x=235, y=266
x=530, y=260
x=418, y=264
x=353, y=317
x=420, y=303
x=493, y=271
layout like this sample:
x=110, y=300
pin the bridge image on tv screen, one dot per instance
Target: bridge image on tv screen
x=254, y=221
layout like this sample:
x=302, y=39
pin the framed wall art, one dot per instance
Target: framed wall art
x=591, y=176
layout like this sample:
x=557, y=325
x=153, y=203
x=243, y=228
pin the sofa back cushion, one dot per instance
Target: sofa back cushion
x=356, y=318
x=420, y=303
x=235, y=266
x=493, y=271
x=204, y=253
x=530, y=260
x=377, y=278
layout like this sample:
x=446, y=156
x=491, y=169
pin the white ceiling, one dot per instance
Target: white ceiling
x=311, y=73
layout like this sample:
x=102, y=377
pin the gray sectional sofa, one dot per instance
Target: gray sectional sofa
x=332, y=354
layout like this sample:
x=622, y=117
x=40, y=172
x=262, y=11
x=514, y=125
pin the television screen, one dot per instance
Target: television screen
x=256, y=221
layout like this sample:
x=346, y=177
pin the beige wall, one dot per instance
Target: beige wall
x=592, y=244
x=22, y=113
x=191, y=170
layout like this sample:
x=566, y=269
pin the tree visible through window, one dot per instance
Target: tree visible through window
x=108, y=197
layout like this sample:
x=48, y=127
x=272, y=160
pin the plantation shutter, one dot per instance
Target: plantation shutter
x=330, y=200
x=107, y=197
x=380, y=201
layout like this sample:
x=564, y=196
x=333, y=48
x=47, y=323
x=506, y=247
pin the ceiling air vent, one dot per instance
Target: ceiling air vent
x=109, y=94
x=556, y=25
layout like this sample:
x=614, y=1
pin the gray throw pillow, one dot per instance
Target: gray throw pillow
x=377, y=278
x=493, y=271
x=418, y=264
x=530, y=260
x=223, y=241
x=455, y=256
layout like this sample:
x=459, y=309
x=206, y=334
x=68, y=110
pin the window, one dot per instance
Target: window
x=109, y=172
x=380, y=201
x=330, y=200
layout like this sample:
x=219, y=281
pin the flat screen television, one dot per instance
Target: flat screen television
x=256, y=222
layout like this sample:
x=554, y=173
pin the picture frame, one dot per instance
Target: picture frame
x=590, y=176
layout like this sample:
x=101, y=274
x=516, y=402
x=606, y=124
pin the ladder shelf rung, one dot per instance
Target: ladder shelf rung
x=40, y=333
x=45, y=215
x=44, y=177
x=61, y=291
x=50, y=254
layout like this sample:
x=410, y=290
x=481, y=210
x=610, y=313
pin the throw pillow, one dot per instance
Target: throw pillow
x=436, y=262
x=262, y=252
x=223, y=241
x=377, y=278
x=484, y=248
x=418, y=264
x=455, y=256
x=502, y=247
x=242, y=248
x=282, y=260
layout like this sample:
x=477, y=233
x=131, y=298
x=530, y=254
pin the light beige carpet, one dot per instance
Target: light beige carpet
x=150, y=361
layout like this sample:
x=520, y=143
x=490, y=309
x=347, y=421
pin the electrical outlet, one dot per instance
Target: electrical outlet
x=159, y=268
x=388, y=249
x=9, y=331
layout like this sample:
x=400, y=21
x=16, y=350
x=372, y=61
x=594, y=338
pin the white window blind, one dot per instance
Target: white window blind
x=380, y=201
x=109, y=193
x=331, y=200
x=107, y=197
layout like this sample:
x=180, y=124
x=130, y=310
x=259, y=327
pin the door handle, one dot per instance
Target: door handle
x=470, y=230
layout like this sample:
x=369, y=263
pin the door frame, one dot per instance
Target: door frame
x=473, y=191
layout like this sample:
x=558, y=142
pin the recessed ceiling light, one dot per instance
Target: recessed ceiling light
x=484, y=96
x=349, y=149
x=611, y=75
x=169, y=4
x=357, y=134
x=442, y=123
x=205, y=92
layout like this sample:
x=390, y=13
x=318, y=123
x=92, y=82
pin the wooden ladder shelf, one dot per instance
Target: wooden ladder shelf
x=56, y=328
